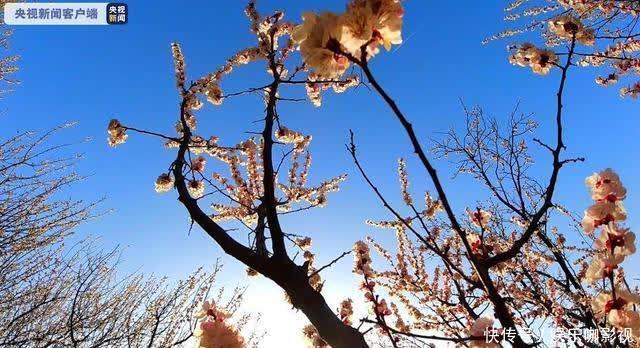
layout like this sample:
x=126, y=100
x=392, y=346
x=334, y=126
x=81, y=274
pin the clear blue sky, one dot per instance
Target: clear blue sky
x=93, y=74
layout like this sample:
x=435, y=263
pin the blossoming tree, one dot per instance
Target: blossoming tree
x=8, y=64
x=605, y=31
x=56, y=294
x=55, y=291
x=503, y=269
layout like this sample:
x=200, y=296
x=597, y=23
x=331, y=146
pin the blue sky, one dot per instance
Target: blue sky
x=93, y=74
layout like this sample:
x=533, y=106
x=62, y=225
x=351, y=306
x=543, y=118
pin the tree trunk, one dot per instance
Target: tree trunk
x=305, y=298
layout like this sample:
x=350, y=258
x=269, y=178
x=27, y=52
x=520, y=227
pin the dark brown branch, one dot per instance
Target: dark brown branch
x=502, y=311
x=334, y=261
x=557, y=165
x=269, y=201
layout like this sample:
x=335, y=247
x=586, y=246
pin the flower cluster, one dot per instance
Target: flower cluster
x=164, y=183
x=194, y=103
x=624, y=61
x=362, y=259
x=539, y=60
x=631, y=91
x=569, y=28
x=315, y=280
x=117, y=133
x=209, y=85
x=617, y=306
x=478, y=246
x=605, y=24
x=317, y=85
x=313, y=338
x=404, y=182
x=591, y=7
x=610, y=79
x=346, y=311
x=244, y=186
x=179, y=64
x=613, y=245
x=608, y=193
x=379, y=307
x=213, y=92
x=304, y=243
x=214, y=329
x=296, y=189
x=371, y=23
x=316, y=38
x=479, y=217
x=196, y=188
x=328, y=40
x=288, y=136
x=198, y=163
x=432, y=206
x=619, y=54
